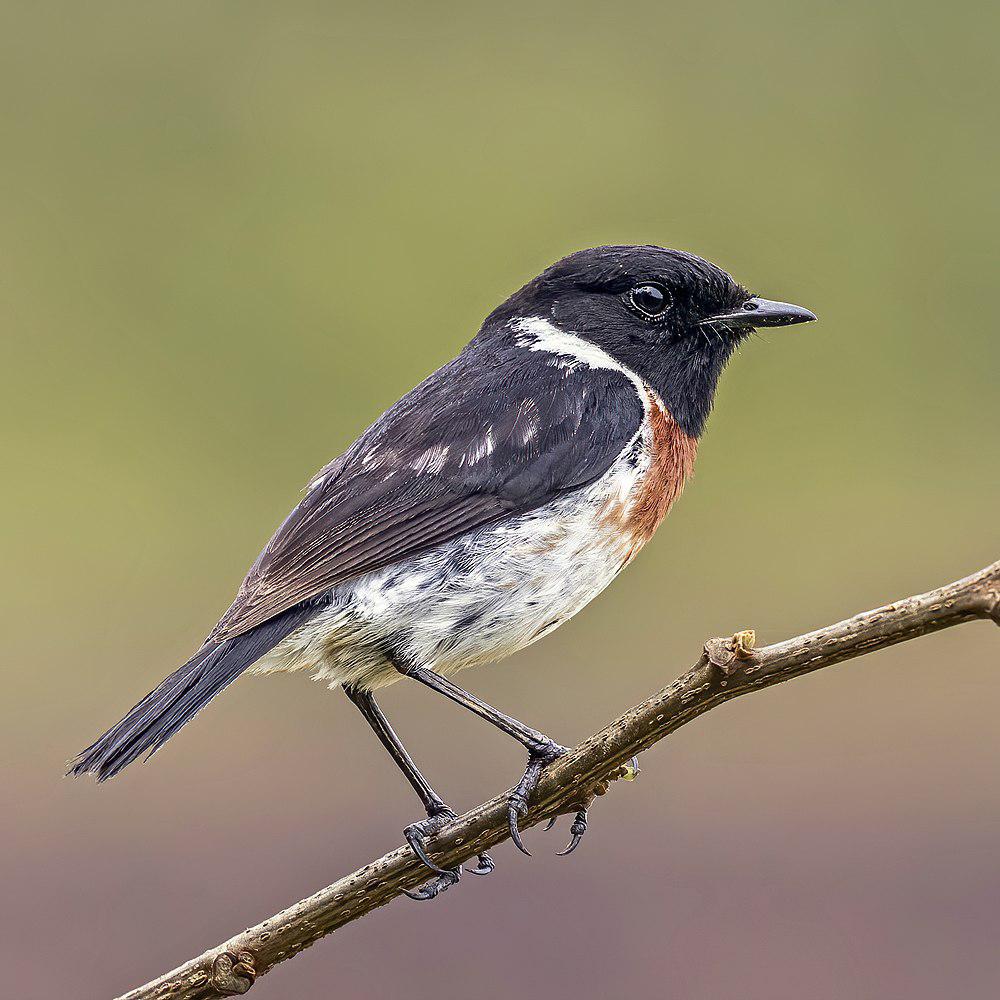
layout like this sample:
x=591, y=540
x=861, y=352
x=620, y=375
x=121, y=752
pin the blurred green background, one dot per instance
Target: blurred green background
x=232, y=233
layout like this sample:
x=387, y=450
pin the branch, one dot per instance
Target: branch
x=726, y=669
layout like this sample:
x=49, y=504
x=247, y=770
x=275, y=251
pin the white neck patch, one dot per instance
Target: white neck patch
x=571, y=351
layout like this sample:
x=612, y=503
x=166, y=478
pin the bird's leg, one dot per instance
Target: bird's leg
x=438, y=813
x=541, y=750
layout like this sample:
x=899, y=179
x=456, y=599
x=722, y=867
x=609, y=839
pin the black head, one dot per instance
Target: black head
x=672, y=318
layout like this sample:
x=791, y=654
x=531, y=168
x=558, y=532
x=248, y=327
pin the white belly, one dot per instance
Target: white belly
x=477, y=598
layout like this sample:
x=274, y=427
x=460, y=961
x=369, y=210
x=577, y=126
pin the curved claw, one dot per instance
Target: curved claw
x=421, y=894
x=484, y=867
x=435, y=886
x=578, y=829
x=515, y=834
x=417, y=846
x=551, y=823
x=571, y=846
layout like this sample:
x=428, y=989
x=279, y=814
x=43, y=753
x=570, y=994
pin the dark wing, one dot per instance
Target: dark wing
x=497, y=431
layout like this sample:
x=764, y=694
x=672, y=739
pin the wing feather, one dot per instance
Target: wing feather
x=495, y=432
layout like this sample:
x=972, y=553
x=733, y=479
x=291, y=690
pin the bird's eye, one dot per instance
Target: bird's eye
x=650, y=301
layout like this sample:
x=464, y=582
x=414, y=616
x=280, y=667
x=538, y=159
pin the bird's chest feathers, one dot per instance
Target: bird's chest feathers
x=649, y=476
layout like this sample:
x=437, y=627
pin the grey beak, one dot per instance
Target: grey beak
x=764, y=312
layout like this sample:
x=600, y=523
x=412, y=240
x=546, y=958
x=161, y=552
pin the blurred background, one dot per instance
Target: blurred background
x=234, y=232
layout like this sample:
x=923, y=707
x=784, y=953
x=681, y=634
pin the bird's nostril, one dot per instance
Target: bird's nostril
x=750, y=306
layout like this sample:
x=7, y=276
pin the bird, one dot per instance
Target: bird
x=481, y=511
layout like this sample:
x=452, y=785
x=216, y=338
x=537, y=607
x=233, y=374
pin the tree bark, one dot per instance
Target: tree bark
x=726, y=669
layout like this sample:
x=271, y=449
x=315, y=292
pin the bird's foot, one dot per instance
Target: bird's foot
x=627, y=772
x=517, y=804
x=576, y=831
x=416, y=835
x=435, y=886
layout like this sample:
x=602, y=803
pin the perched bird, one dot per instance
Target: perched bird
x=484, y=509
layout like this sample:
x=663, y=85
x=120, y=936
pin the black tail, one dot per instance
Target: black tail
x=187, y=690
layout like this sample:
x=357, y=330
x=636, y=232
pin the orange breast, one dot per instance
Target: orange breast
x=671, y=460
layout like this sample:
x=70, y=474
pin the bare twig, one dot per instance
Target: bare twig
x=726, y=669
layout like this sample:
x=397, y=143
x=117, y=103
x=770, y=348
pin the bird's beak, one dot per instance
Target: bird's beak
x=764, y=312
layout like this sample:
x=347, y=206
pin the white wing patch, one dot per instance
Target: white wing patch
x=527, y=423
x=480, y=447
x=432, y=460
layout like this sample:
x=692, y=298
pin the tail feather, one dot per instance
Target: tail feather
x=183, y=694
